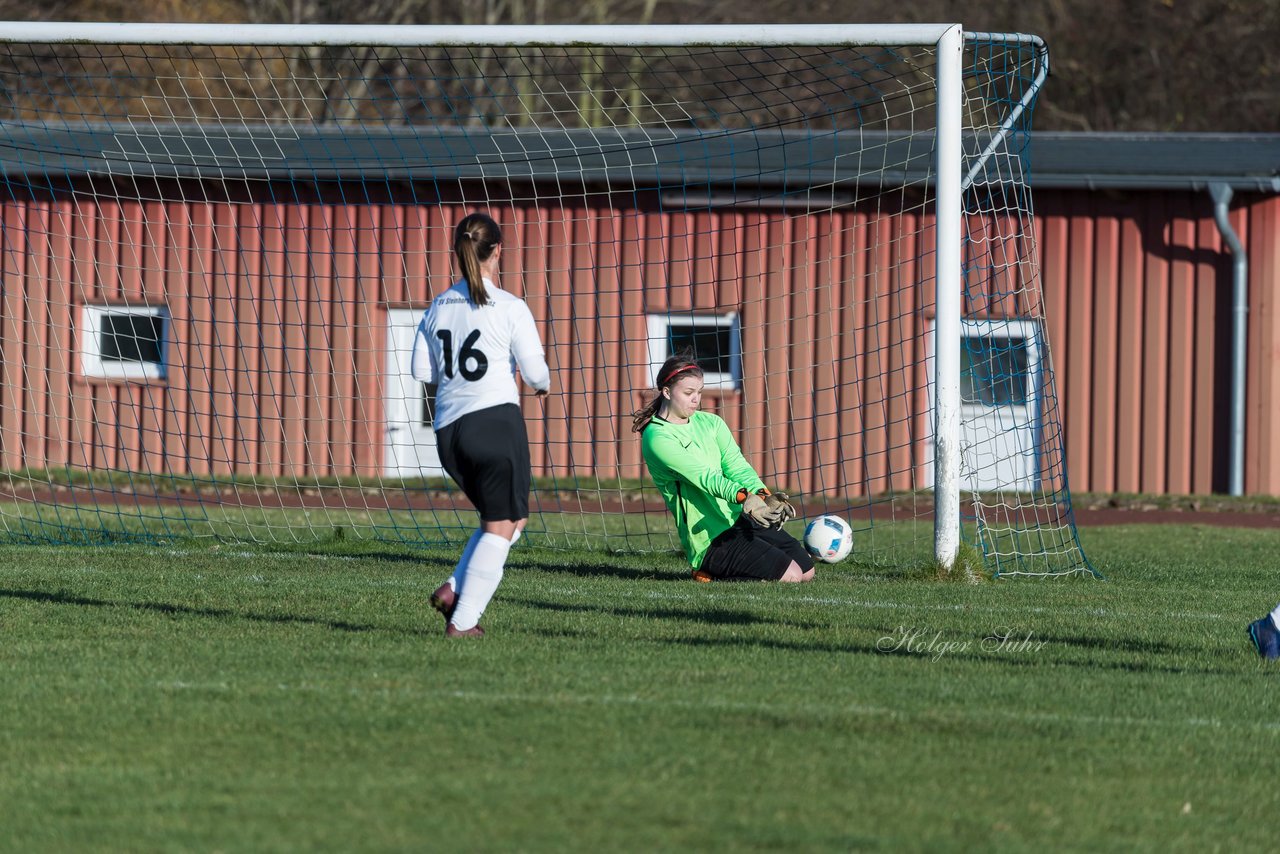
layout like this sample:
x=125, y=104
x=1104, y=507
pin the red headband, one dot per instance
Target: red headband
x=673, y=374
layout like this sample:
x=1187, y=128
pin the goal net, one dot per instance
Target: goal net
x=218, y=242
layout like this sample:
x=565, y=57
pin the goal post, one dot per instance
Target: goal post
x=946, y=378
x=217, y=238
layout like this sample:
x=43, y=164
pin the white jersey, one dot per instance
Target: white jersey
x=471, y=354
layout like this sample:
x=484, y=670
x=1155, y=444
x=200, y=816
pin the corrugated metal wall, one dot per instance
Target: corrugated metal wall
x=276, y=342
x=1137, y=295
x=593, y=271
x=1138, y=299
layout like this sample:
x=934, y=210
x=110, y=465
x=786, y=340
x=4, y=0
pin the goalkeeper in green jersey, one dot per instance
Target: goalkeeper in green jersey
x=730, y=524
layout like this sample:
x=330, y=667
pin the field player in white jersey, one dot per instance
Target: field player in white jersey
x=469, y=344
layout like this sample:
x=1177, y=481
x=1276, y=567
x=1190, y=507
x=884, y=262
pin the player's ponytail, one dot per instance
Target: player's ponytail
x=677, y=367
x=473, y=242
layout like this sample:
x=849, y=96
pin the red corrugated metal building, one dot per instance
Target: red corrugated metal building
x=279, y=300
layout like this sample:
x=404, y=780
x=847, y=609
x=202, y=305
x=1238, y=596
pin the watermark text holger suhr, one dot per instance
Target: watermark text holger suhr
x=1002, y=640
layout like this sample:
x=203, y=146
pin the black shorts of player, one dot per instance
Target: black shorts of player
x=751, y=552
x=487, y=454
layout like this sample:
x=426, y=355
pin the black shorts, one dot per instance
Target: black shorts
x=487, y=454
x=749, y=552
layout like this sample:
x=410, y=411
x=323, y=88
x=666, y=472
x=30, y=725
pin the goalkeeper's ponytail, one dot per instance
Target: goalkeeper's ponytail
x=473, y=242
x=676, y=368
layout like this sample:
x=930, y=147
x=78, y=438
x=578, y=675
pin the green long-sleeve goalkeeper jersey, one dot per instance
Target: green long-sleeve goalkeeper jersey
x=699, y=469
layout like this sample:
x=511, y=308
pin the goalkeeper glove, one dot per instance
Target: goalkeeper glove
x=781, y=503
x=756, y=507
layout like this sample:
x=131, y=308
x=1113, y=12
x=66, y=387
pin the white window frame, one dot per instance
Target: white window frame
x=1008, y=416
x=91, y=362
x=660, y=349
x=1026, y=330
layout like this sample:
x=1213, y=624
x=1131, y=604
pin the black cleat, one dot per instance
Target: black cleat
x=1266, y=640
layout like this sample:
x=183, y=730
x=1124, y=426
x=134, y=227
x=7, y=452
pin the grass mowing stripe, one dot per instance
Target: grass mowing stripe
x=893, y=604
x=796, y=710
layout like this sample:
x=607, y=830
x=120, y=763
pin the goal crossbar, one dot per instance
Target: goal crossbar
x=498, y=35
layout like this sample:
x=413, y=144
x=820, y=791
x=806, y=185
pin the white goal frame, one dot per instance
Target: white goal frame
x=947, y=39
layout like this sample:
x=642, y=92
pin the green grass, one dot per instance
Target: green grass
x=217, y=697
x=888, y=541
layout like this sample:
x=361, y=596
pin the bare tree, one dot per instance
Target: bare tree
x=1142, y=65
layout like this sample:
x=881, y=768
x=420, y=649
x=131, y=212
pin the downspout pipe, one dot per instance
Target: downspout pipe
x=1221, y=195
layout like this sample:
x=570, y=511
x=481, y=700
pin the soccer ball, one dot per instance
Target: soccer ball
x=828, y=538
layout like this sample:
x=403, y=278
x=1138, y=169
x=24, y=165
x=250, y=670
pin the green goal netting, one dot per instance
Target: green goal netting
x=217, y=242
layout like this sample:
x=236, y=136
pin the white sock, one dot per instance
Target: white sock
x=480, y=580
x=515, y=537
x=461, y=568
x=1275, y=617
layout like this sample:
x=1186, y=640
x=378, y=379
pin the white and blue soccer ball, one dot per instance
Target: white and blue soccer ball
x=829, y=539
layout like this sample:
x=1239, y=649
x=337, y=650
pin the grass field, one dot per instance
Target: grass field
x=202, y=697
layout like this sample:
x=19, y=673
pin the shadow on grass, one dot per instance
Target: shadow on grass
x=934, y=656
x=599, y=570
x=736, y=641
x=447, y=560
x=971, y=656
x=1113, y=644
x=715, y=618
x=424, y=559
x=186, y=610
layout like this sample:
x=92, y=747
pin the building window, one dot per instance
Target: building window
x=123, y=342
x=715, y=339
x=999, y=363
